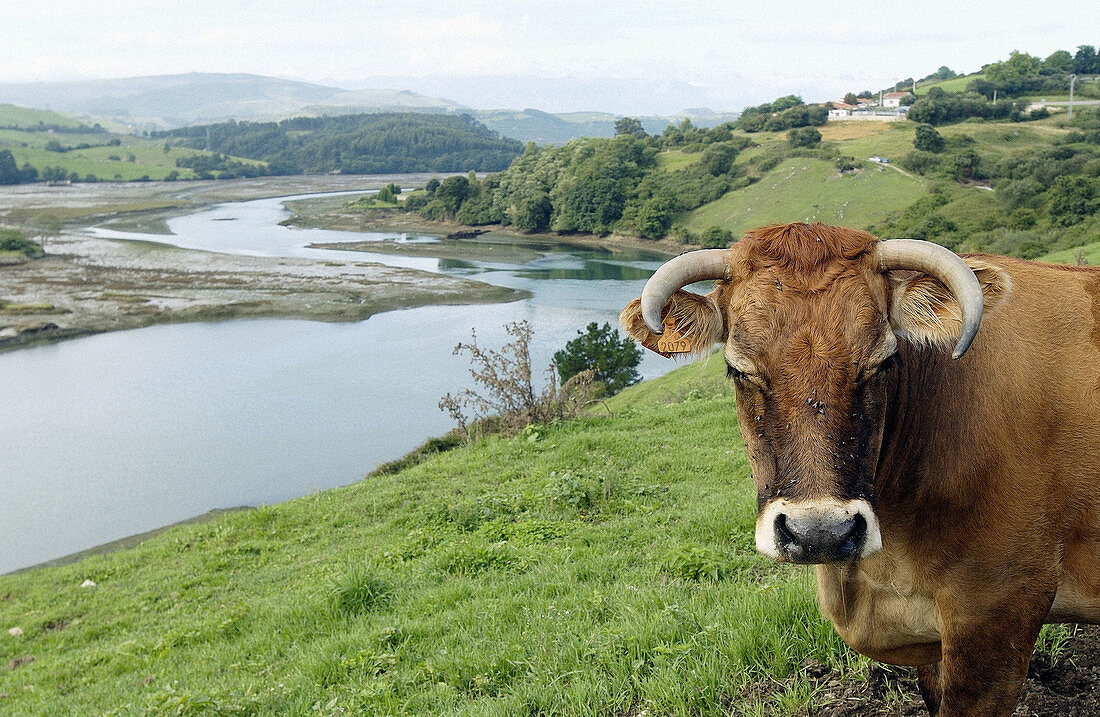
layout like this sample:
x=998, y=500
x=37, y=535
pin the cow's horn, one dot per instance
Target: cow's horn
x=685, y=269
x=948, y=267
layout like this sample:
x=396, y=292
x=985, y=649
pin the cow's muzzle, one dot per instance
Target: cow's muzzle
x=817, y=531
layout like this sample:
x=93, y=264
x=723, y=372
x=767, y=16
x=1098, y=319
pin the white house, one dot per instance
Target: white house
x=893, y=99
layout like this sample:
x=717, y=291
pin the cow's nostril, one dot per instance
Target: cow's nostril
x=817, y=538
x=853, y=541
x=783, y=531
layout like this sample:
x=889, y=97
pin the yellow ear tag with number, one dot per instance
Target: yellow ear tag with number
x=671, y=341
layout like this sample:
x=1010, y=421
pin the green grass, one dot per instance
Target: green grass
x=673, y=160
x=894, y=140
x=1089, y=252
x=14, y=116
x=105, y=162
x=809, y=190
x=607, y=567
x=955, y=84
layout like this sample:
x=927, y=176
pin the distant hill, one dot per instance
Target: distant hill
x=355, y=144
x=26, y=118
x=164, y=101
x=532, y=125
x=170, y=101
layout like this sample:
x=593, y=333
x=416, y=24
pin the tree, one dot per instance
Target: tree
x=716, y=238
x=965, y=164
x=803, y=137
x=1059, y=63
x=654, y=217
x=509, y=401
x=389, y=193
x=452, y=192
x=928, y=139
x=9, y=171
x=851, y=98
x=1085, y=62
x=612, y=358
x=1072, y=199
x=630, y=126
x=718, y=158
x=532, y=212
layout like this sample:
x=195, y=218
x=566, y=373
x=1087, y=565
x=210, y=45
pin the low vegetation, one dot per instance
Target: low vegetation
x=506, y=398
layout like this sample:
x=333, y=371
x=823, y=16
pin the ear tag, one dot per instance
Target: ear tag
x=671, y=341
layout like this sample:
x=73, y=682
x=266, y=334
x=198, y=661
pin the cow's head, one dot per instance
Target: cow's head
x=811, y=316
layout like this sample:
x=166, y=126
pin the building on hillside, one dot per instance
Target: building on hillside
x=893, y=99
x=839, y=109
x=868, y=109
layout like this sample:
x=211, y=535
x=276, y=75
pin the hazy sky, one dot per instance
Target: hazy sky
x=735, y=53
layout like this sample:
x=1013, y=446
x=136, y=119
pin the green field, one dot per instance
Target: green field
x=26, y=117
x=670, y=161
x=132, y=158
x=600, y=566
x=955, y=84
x=811, y=190
x=1090, y=253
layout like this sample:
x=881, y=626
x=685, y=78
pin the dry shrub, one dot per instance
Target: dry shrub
x=508, y=402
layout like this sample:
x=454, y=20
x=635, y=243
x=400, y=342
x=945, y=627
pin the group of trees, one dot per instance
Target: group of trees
x=784, y=113
x=12, y=173
x=590, y=185
x=355, y=144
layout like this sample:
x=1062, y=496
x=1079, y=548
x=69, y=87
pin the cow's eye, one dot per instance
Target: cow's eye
x=744, y=379
x=890, y=362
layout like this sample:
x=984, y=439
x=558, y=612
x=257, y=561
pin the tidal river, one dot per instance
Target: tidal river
x=119, y=433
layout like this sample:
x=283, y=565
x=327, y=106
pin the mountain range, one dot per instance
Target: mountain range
x=169, y=101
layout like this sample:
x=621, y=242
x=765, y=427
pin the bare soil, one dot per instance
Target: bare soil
x=1068, y=686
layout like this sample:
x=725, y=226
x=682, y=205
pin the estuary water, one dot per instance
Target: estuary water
x=115, y=434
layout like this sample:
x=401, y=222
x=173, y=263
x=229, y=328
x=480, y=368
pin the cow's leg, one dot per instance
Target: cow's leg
x=986, y=651
x=931, y=687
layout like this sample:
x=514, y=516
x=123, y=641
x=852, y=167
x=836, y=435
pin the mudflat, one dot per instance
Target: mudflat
x=87, y=285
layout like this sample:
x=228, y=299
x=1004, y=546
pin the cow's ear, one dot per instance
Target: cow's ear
x=695, y=319
x=924, y=311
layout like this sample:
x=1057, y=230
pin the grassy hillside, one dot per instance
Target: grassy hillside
x=14, y=117
x=601, y=566
x=955, y=84
x=803, y=189
x=131, y=159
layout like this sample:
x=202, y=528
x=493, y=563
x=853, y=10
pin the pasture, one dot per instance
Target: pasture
x=598, y=566
x=806, y=189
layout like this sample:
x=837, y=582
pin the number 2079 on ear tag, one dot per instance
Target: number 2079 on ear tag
x=671, y=342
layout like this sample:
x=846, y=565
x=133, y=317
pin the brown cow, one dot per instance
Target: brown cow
x=950, y=504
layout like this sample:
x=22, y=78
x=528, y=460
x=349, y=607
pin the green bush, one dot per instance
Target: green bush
x=13, y=241
x=927, y=139
x=803, y=137
x=612, y=358
x=716, y=238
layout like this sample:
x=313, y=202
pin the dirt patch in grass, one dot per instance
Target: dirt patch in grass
x=1066, y=686
x=852, y=130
